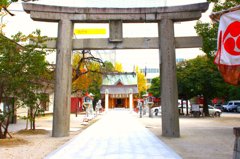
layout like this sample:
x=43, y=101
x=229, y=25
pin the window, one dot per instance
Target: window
x=237, y=103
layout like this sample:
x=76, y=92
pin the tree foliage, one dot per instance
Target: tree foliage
x=87, y=73
x=155, y=87
x=38, y=74
x=200, y=76
x=5, y=3
x=118, y=67
x=220, y=5
x=142, y=83
x=8, y=81
x=24, y=72
x=209, y=32
x=83, y=62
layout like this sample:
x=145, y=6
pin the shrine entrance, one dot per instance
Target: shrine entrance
x=119, y=102
x=165, y=42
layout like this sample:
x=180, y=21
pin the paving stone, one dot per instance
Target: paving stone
x=119, y=135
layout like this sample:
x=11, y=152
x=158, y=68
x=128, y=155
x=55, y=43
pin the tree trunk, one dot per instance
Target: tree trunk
x=205, y=105
x=27, y=120
x=31, y=118
x=6, y=127
x=34, y=120
x=1, y=133
x=7, y=122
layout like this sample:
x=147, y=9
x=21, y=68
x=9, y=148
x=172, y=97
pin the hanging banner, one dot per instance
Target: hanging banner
x=228, y=54
x=90, y=31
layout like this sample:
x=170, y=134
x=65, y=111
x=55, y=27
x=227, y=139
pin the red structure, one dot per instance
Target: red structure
x=76, y=104
x=218, y=101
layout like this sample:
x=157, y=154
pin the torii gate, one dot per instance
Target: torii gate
x=166, y=43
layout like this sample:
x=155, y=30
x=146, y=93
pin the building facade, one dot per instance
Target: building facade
x=118, y=89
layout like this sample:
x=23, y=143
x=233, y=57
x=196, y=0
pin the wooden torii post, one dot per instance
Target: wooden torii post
x=166, y=43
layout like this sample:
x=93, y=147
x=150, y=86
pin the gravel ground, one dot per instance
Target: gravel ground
x=201, y=138
x=37, y=146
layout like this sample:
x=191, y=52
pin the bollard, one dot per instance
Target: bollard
x=236, y=150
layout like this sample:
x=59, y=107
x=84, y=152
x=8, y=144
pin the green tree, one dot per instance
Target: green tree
x=233, y=93
x=155, y=87
x=9, y=71
x=24, y=72
x=209, y=31
x=108, y=67
x=200, y=76
x=38, y=74
x=4, y=5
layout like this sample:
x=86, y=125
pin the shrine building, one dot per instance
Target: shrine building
x=118, y=89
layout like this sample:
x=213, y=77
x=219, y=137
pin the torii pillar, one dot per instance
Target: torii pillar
x=166, y=43
x=63, y=80
x=169, y=92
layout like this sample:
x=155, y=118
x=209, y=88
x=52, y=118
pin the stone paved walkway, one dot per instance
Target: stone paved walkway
x=118, y=135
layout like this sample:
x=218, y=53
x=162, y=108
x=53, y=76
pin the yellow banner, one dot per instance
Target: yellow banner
x=86, y=31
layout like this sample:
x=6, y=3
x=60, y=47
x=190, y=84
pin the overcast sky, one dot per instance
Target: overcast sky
x=22, y=22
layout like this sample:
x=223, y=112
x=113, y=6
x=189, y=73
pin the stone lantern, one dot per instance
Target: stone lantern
x=88, y=104
x=148, y=102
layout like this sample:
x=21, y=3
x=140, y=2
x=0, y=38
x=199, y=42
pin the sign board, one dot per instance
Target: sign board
x=90, y=31
x=195, y=107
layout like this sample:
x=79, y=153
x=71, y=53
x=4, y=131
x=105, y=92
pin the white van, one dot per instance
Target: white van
x=231, y=106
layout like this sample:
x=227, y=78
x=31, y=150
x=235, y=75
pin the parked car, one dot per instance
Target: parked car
x=238, y=109
x=231, y=106
x=219, y=106
x=212, y=111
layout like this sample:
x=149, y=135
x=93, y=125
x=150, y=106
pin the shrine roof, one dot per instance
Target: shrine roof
x=124, y=78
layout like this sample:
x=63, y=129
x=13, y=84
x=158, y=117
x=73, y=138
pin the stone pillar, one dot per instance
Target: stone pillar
x=116, y=31
x=106, y=101
x=169, y=92
x=131, y=102
x=63, y=80
x=236, y=150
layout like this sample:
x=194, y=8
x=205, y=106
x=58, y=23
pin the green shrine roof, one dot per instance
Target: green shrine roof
x=119, y=83
x=116, y=78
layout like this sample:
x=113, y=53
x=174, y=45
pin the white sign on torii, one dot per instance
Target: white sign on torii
x=166, y=43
